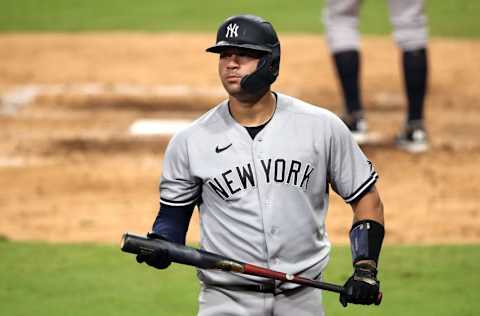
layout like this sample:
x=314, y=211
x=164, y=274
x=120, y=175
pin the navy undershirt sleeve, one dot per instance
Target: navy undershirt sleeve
x=172, y=222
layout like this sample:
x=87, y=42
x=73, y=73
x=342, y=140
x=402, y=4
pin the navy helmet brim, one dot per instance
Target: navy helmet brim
x=222, y=45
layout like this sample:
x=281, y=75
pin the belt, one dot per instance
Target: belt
x=260, y=288
x=257, y=287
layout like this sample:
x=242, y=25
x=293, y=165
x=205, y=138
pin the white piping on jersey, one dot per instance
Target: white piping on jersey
x=373, y=178
x=178, y=203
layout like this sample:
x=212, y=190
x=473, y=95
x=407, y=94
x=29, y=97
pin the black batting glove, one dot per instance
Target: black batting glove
x=362, y=287
x=159, y=258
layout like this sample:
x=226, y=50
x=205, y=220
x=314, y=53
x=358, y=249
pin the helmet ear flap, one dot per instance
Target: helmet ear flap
x=261, y=78
x=276, y=60
x=266, y=73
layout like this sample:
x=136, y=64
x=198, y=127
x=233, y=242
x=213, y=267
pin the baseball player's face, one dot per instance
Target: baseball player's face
x=234, y=64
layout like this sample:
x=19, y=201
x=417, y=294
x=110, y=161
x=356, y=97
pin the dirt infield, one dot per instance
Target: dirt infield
x=70, y=171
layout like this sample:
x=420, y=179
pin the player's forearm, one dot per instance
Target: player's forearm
x=172, y=222
x=368, y=230
x=369, y=206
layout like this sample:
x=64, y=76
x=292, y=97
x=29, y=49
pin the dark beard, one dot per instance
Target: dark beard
x=250, y=97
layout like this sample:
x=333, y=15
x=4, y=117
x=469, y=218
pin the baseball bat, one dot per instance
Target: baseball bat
x=137, y=244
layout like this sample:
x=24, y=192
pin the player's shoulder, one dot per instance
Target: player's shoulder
x=304, y=109
x=203, y=124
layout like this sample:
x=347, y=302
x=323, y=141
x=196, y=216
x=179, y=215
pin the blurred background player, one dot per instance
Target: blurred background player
x=410, y=32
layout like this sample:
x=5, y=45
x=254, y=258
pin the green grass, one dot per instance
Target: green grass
x=46, y=280
x=417, y=280
x=452, y=18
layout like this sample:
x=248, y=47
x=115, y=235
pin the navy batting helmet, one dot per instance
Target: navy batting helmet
x=254, y=33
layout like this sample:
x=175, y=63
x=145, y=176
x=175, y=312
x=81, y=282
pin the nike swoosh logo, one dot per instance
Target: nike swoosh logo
x=219, y=150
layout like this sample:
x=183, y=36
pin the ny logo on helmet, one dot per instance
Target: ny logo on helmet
x=232, y=30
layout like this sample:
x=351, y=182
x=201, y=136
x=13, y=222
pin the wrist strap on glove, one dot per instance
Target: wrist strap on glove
x=365, y=273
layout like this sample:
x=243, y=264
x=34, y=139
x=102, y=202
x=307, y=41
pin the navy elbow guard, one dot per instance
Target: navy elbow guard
x=366, y=237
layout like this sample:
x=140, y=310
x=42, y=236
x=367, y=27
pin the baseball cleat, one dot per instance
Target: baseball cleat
x=413, y=140
x=358, y=127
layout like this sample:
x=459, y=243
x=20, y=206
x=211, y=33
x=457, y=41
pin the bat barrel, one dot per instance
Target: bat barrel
x=137, y=244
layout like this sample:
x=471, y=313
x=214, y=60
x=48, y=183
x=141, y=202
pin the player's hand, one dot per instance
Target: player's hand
x=159, y=258
x=362, y=287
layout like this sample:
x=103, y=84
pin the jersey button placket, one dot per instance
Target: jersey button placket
x=267, y=204
x=273, y=230
x=257, y=155
x=259, y=150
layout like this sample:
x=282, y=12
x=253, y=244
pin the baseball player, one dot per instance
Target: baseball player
x=260, y=166
x=410, y=31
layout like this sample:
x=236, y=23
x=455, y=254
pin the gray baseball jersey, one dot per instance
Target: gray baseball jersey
x=264, y=201
x=406, y=16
